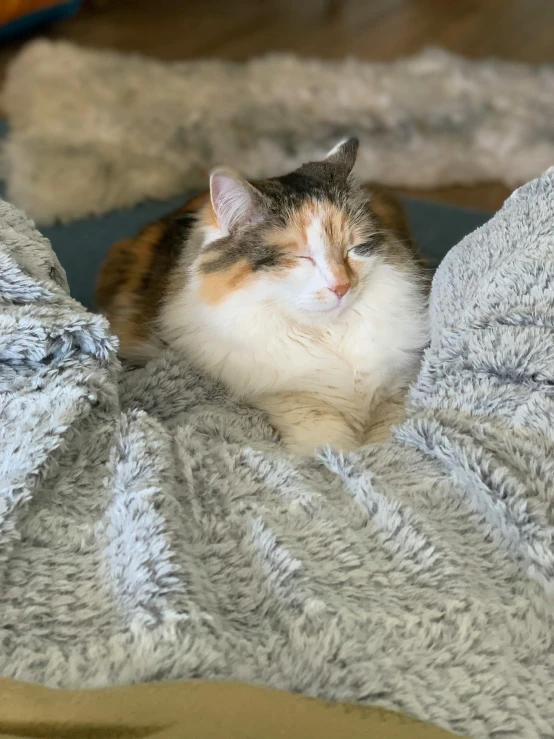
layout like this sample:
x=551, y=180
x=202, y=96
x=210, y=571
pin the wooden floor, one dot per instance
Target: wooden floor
x=521, y=30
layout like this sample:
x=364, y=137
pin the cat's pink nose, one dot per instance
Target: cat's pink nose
x=341, y=290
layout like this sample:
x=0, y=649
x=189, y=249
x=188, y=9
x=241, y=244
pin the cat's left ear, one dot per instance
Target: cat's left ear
x=344, y=154
x=235, y=201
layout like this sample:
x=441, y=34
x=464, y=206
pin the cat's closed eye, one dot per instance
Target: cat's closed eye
x=366, y=248
x=306, y=257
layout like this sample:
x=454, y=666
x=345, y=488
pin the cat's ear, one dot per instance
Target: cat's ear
x=344, y=154
x=235, y=201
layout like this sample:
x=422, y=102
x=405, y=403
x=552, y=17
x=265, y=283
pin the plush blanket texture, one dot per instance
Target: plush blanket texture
x=150, y=528
x=112, y=129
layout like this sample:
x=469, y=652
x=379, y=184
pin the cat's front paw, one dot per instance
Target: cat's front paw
x=306, y=440
x=306, y=423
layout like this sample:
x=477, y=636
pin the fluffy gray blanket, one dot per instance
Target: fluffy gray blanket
x=151, y=528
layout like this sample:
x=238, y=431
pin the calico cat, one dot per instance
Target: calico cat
x=304, y=294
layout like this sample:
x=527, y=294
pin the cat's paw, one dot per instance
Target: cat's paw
x=306, y=439
x=306, y=422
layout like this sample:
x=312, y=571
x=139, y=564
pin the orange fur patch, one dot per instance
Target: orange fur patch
x=195, y=203
x=118, y=291
x=335, y=224
x=143, y=252
x=207, y=216
x=343, y=274
x=202, y=204
x=126, y=263
x=216, y=286
x=339, y=232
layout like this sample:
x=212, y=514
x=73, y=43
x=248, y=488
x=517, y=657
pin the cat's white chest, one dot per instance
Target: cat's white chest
x=340, y=363
x=356, y=361
x=256, y=351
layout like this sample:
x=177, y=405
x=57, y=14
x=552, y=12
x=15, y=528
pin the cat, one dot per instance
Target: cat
x=304, y=294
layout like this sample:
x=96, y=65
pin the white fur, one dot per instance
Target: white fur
x=316, y=364
x=336, y=148
x=230, y=200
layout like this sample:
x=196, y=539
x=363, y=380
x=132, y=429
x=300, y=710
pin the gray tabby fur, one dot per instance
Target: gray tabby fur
x=150, y=528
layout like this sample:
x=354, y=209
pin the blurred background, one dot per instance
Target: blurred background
x=91, y=169
x=381, y=30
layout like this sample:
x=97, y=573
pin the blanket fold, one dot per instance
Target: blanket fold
x=153, y=528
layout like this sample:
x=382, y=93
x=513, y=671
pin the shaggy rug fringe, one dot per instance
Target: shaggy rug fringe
x=94, y=130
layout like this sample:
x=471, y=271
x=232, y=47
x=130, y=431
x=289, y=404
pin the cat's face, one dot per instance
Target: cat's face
x=324, y=257
x=305, y=242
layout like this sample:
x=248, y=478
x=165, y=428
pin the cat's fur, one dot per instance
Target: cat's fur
x=304, y=294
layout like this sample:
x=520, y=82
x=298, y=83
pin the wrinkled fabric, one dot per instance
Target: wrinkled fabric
x=152, y=528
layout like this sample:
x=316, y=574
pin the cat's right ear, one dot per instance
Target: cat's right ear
x=235, y=201
x=344, y=154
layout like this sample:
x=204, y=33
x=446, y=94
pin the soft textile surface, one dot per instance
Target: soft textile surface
x=150, y=528
x=111, y=130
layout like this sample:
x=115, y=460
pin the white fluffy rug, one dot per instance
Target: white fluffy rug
x=93, y=130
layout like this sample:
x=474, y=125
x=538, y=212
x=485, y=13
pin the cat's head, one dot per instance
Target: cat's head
x=306, y=242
